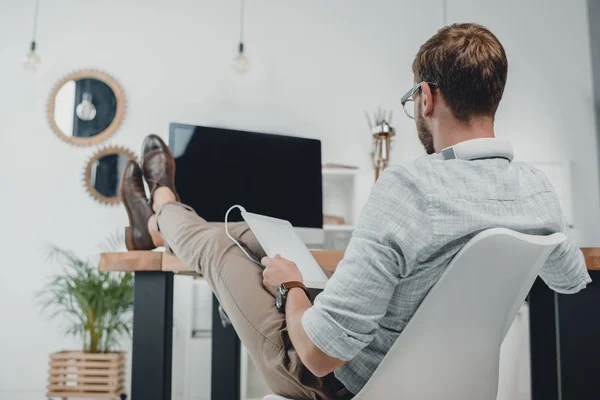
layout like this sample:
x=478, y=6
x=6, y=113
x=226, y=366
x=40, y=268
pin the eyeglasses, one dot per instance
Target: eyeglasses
x=408, y=103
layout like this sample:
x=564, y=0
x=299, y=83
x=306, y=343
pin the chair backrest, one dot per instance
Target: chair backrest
x=450, y=348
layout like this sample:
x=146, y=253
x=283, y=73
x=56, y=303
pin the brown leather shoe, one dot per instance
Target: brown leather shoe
x=137, y=236
x=158, y=165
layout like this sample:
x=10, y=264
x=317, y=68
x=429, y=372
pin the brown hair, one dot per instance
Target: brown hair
x=469, y=64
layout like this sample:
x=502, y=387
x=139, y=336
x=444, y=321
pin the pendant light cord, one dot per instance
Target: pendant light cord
x=242, y=4
x=35, y=19
x=444, y=12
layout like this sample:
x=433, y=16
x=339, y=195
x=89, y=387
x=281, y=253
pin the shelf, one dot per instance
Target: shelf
x=339, y=172
x=338, y=228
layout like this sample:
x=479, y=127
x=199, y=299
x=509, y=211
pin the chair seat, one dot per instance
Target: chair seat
x=275, y=397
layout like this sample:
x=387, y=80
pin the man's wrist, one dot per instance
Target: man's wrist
x=296, y=288
x=297, y=296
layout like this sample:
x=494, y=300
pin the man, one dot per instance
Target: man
x=417, y=218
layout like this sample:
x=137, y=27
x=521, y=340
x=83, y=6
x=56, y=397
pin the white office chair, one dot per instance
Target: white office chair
x=450, y=348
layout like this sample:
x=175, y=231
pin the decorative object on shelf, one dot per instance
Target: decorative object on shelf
x=103, y=171
x=382, y=133
x=32, y=58
x=86, y=107
x=98, y=306
x=240, y=63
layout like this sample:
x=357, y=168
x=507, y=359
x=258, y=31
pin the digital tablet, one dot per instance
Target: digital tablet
x=277, y=236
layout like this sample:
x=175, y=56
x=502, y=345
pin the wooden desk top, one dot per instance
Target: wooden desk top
x=132, y=261
x=592, y=258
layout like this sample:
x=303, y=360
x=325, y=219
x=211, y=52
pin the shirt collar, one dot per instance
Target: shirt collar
x=477, y=149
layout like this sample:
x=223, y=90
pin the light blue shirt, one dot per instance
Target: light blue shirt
x=418, y=216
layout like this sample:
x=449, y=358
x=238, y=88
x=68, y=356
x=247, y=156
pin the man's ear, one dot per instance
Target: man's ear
x=426, y=100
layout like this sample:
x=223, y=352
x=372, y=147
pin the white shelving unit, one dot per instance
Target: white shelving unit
x=339, y=172
x=192, y=346
x=339, y=193
x=338, y=228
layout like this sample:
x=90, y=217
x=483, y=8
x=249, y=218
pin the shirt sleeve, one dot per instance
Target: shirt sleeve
x=565, y=270
x=393, y=227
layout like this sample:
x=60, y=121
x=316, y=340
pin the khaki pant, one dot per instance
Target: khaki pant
x=237, y=283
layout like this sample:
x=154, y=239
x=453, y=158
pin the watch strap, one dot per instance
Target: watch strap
x=293, y=284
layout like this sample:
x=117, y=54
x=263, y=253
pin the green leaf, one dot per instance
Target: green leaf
x=96, y=305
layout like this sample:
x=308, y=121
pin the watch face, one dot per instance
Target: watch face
x=279, y=295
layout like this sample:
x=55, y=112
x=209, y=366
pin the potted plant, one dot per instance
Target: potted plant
x=98, y=307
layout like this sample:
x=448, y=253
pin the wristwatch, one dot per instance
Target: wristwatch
x=282, y=292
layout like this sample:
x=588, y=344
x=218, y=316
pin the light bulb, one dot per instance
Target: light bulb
x=86, y=110
x=241, y=64
x=32, y=59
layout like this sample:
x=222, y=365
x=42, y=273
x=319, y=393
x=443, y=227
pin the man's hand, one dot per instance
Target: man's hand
x=279, y=270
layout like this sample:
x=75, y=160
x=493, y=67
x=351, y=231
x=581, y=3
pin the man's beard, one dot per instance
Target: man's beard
x=425, y=135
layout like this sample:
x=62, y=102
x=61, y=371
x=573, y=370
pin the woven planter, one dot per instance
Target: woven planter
x=79, y=374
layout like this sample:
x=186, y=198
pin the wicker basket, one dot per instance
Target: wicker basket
x=79, y=374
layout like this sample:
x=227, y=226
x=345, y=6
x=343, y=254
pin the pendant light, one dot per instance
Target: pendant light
x=241, y=64
x=32, y=59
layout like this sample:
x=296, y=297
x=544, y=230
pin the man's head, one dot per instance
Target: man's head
x=463, y=70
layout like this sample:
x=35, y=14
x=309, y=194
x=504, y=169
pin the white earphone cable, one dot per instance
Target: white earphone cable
x=242, y=209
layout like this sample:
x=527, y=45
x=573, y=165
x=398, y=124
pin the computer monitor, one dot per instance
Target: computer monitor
x=274, y=175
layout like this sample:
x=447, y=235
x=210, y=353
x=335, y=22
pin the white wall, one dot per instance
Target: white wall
x=548, y=107
x=315, y=67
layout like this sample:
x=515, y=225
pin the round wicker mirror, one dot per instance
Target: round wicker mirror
x=86, y=107
x=103, y=173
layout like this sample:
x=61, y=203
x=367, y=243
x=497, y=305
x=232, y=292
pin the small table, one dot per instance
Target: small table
x=565, y=331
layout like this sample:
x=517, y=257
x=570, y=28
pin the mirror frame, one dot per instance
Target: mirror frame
x=114, y=125
x=92, y=192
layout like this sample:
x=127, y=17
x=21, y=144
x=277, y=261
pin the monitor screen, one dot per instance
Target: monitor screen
x=274, y=175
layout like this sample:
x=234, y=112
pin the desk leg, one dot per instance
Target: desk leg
x=545, y=369
x=579, y=341
x=152, y=336
x=225, y=373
